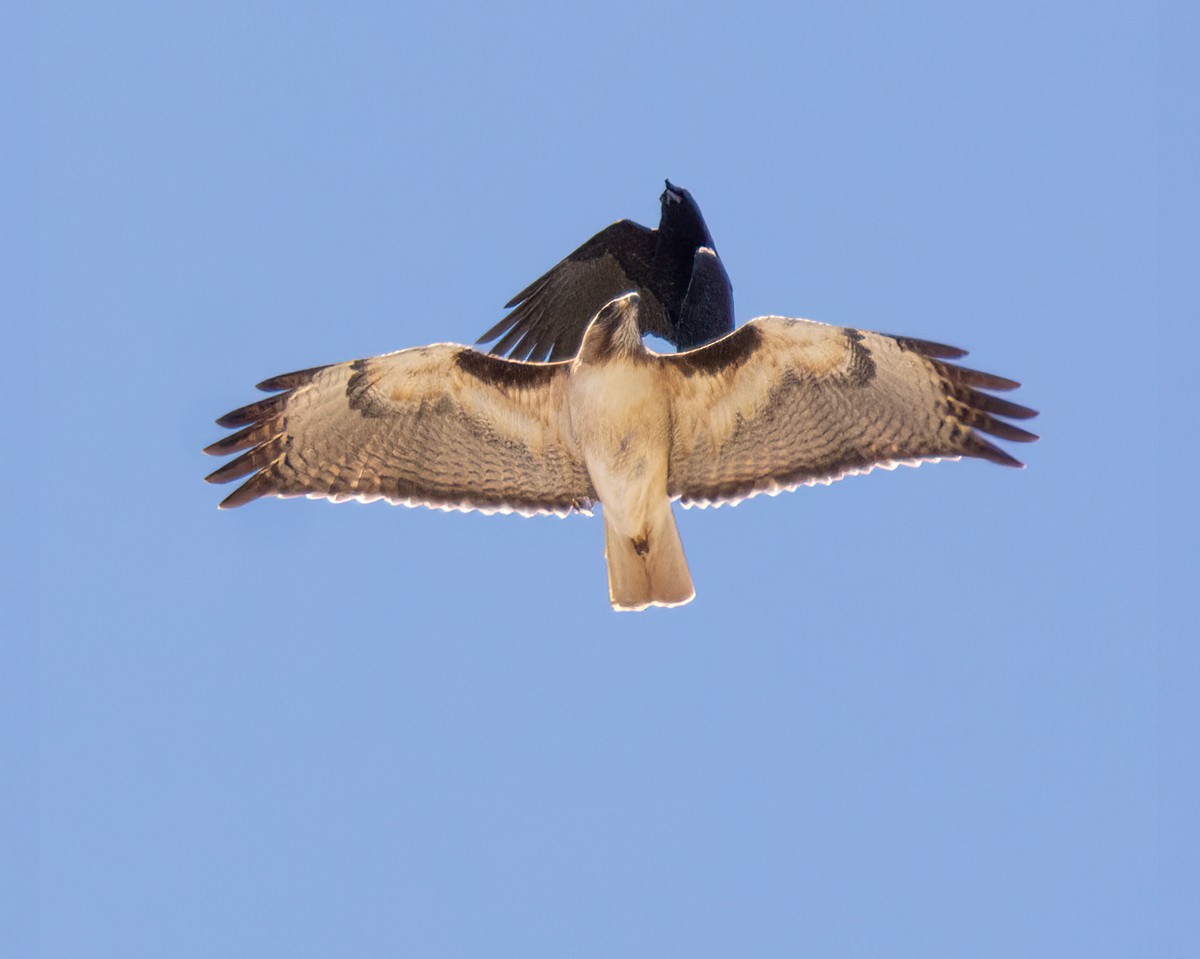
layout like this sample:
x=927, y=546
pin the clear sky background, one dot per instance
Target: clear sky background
x=937, y=712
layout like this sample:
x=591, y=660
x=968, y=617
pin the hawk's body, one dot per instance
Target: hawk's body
x=621, y=416
x=776, y=404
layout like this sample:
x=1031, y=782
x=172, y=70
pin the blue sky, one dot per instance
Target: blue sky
x=945, y=711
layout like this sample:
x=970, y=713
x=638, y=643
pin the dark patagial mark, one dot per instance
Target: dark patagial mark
x=723, y=355
x=862, y=366
x=506, y=374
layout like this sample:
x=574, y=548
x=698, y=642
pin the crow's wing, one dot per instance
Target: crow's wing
x=707, y=311
x=552, y=313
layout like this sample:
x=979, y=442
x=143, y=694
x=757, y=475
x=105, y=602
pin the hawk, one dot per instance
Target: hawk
x=777, y=404
x=686, y=295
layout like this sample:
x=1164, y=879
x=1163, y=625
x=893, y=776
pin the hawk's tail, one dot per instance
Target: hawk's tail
x=649, y=568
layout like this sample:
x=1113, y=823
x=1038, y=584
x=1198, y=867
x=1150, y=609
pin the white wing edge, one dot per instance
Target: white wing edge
x=445, y=508
x=774, y=489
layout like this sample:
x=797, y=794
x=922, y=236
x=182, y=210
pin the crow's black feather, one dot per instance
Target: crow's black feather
x=685, y=293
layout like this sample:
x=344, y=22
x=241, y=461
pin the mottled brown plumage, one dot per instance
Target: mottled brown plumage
x=816, y=403
x=418, y=427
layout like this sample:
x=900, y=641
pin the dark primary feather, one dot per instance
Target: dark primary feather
x=686, y=298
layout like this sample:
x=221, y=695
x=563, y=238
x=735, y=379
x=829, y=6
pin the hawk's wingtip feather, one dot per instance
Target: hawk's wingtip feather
x=929, y=348
x=980, y=448
x=260, y=484
x=289, y=381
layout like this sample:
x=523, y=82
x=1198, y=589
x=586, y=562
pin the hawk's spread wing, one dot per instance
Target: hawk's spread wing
x=781, y=403
x=441, y=426
x=554, y=311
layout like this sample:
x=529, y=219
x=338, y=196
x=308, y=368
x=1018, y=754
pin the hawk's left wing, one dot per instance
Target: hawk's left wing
x=441, y=426
x=781, y=403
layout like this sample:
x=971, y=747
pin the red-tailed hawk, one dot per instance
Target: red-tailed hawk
x=778, y=403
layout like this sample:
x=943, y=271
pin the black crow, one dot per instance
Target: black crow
x=685, y=293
